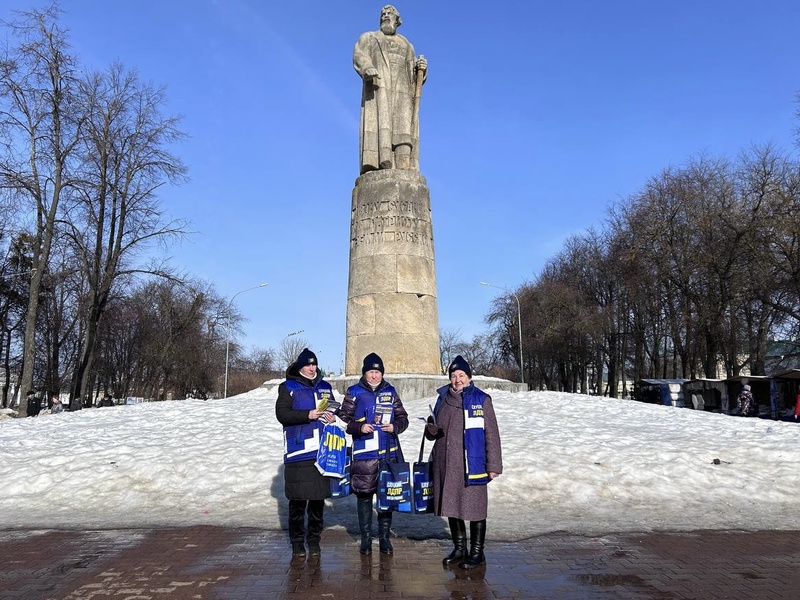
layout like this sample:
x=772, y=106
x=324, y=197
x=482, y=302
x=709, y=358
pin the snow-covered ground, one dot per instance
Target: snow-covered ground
x=571, y=463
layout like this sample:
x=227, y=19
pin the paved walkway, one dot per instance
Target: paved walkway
x=248, y=564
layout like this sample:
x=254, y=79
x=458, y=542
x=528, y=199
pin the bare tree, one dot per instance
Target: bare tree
x=291, y=347
x=124, y=161
x=450, y=343
x=483, y=353
x=59, y=321
x=40, y=125
x=252, y=370
x=163, y=344
x=259, y=360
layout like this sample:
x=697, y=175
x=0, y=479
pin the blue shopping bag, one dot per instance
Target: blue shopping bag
x=332, y=453
x=394, y=485
x=340, y=486
x=422, y=482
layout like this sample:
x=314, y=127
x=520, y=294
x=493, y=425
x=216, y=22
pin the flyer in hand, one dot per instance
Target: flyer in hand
x=328, y=404
x=383, y=413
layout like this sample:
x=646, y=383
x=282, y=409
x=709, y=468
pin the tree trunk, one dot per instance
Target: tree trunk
x=6, y=362
x=83, y=366
x=29, y=343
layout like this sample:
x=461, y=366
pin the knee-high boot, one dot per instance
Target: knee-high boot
x=364, y=508
x=477, y=537
x=458, y=531
x=384, y=528
x=315, y=512
x=297, y=527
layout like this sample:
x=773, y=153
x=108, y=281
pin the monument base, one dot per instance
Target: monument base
x=412, y=387
x=391, y=294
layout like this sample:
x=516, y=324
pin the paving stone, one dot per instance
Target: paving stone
x=210, y=563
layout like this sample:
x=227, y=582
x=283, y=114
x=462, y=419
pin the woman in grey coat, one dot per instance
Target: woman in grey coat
x=466, y=456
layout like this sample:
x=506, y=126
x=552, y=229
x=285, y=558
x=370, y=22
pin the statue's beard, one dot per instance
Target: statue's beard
x=388, y=28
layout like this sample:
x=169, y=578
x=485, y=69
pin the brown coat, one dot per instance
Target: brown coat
x=451, y=496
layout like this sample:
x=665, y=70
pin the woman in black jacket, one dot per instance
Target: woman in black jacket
x=297, y=410
x=375, y=417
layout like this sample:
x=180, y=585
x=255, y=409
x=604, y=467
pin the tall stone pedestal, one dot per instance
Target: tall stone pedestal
x=391, y=297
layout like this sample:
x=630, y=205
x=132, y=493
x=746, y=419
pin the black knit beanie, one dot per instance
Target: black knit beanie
x=372, y=361
x=307, y=357
x=459, y=364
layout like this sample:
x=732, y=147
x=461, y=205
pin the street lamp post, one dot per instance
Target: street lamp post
x=228, y=332
x=519, y=320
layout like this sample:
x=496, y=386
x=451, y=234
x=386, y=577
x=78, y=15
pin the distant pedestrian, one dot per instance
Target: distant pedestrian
x=745, y=402
x=57, y=407
x=107, y=400
x=297, y=409
x=34, y=404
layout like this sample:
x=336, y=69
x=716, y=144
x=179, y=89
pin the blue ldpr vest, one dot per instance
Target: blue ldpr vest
x=474, y=435
x=368, y=406
x=301, y=442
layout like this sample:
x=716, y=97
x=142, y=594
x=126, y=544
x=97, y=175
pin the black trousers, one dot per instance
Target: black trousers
x=298, y=510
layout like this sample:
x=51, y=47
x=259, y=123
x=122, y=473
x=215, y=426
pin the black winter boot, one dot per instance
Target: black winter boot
x=298, y=549
x=297, y=529
x=458, y=531
x=315, y=511
x=477, y=537
x=384, y=528
x=364, y=508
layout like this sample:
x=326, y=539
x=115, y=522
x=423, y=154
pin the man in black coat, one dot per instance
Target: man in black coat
x=34, y=404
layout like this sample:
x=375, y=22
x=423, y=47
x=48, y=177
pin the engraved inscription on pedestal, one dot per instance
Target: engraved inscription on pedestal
x=392, y=308
x=392, y=221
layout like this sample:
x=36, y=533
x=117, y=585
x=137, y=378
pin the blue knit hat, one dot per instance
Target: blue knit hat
x=307, y=357
x=459, y=364
x=372, y=361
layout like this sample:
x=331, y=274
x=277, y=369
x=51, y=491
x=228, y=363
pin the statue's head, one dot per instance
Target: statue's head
x=390, y=19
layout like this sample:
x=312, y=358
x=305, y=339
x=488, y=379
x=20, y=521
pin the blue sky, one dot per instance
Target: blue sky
x=536, y=117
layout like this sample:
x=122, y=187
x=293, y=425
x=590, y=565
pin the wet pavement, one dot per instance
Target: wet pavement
x=248, y=564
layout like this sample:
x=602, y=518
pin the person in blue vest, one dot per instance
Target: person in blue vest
x=304, y=486
x=375, y=417
x=466, y=456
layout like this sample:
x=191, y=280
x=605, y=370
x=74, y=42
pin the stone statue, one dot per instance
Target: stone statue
x=392, y=77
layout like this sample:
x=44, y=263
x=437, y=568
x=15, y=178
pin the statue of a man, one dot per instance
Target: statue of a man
x=390, y=98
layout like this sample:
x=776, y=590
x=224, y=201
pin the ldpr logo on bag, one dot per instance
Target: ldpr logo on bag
x=394, y=490
x=394, y=487
x=334, y=441
x=425, y=489
x=332, y=453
